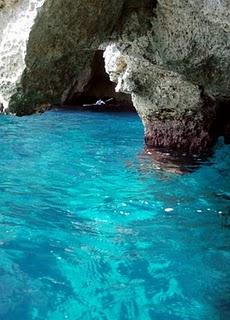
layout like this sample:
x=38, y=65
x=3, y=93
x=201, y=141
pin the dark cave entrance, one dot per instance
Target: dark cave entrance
x=99, y=87
x=223, y=120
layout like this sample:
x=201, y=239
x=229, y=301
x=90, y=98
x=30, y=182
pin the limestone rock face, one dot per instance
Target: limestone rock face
x=16, y=20
x=7, y=3
x=172, y=56
x=174, y=113
x=177, y=70
x=60, y=49
x=192, y=38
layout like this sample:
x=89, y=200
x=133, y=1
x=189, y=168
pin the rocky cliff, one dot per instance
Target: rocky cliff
x=177, y=70
x=171, y=56
x=16, y=20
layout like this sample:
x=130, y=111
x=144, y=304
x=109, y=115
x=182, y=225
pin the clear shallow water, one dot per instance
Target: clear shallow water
x=88, y=231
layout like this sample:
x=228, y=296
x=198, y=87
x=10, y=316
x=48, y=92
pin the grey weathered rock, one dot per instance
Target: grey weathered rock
x=172, y=56
x=173, y=111
x=16, y=20
x=7, y=3
x=177, y=71
x=61, y=46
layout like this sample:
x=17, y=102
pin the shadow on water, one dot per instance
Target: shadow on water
x=223, y=305
x=164, y=160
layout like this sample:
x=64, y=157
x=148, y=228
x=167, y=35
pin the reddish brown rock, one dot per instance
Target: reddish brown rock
x=186, y=135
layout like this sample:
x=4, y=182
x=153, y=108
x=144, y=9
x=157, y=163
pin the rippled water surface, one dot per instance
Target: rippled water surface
x=89, y=231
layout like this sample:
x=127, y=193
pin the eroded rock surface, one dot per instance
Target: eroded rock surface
x=60, y=50
x=16, y=20
x=177, y=71
x=172, y=56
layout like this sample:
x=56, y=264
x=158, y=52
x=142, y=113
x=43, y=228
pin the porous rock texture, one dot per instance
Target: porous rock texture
x=60, y=50
x=16, y=20
x=172, y=56
x=177, y=71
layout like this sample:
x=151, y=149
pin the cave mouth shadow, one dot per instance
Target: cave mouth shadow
x=99, y=88
x=223, y=120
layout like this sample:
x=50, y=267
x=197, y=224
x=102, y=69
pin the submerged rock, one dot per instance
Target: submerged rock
x=171, y=56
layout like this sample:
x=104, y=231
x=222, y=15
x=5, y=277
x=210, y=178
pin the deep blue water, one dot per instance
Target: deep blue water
x=91, y=230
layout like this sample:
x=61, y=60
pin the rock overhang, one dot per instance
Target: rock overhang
x=172, y=56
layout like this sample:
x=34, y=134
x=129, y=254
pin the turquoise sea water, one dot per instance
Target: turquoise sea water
x=91, y=230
